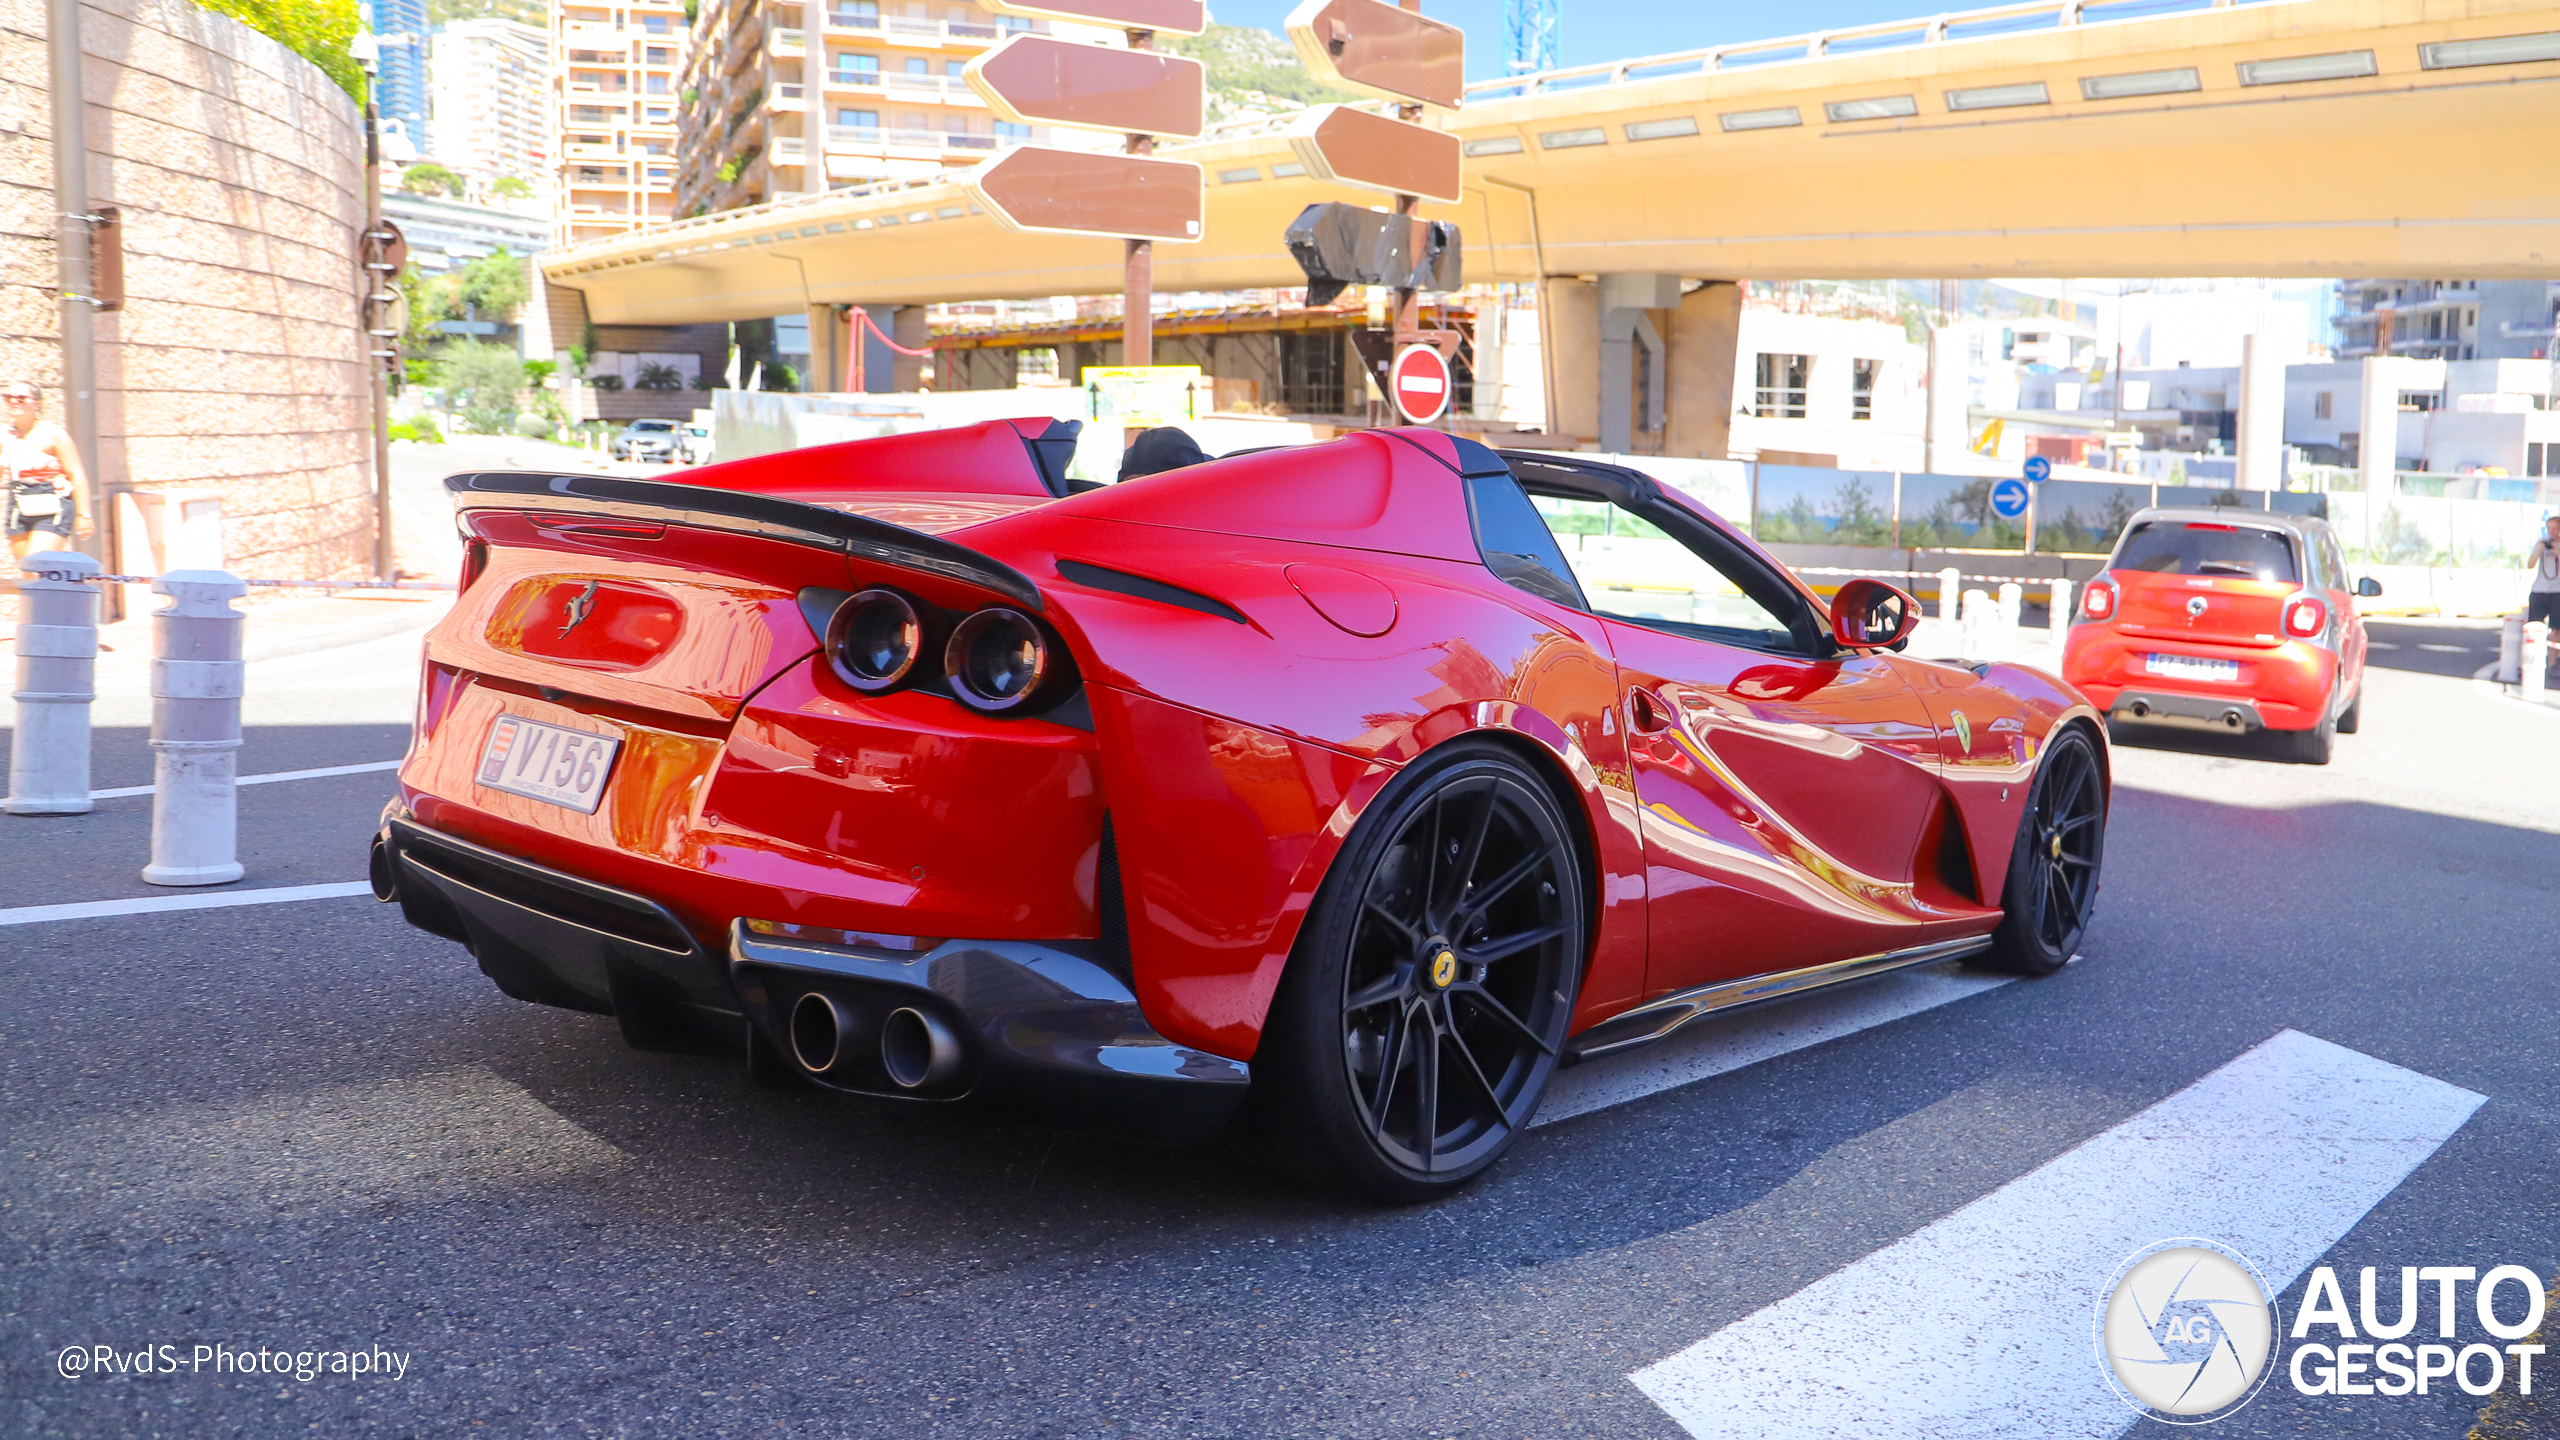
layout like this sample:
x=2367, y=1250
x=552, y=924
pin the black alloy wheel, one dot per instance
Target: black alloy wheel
x=1426, y=1006
x=2053, y=869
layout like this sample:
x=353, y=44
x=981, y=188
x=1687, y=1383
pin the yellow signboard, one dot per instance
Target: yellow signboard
x=1142, y=395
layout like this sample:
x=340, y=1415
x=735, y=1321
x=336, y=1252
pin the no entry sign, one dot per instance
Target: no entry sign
x=1418, y=383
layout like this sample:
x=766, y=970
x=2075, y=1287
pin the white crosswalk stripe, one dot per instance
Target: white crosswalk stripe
x=1980, y=1325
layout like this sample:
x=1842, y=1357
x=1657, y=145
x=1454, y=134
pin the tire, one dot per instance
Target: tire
x=1425, y=1005
x=2312, y=746
x=2053, y=868
x=2353, y=715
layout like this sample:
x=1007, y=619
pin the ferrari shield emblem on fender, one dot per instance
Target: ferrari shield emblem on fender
x=1964, y=733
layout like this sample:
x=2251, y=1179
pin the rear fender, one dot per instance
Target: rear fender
x=1226, y=833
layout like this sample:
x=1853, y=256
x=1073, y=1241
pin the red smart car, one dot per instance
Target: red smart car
x=2228, y=620
x=1339, y=792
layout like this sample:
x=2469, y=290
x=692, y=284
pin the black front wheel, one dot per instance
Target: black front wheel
x=1425, y=1006
x=2053, y=869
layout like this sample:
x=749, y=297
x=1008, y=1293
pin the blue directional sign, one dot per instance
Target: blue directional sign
x=2009, y=497
x=2039, y=469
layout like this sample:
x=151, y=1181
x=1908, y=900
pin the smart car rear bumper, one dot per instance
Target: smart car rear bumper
x=2194, y=712
x=2288, y=686
x=1043, y=1030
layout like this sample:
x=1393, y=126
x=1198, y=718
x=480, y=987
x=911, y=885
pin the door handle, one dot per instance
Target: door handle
x=1645, y=714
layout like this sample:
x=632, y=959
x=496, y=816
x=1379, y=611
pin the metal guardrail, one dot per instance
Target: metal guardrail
x=1995, y=22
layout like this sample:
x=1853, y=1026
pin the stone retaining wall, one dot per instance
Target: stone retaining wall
x=237, y=364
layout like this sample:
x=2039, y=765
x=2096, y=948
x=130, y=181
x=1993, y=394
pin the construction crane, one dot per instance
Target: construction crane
x=1529, y=35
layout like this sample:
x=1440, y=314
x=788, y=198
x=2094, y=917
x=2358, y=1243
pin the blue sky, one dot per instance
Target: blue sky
x=1590, y=31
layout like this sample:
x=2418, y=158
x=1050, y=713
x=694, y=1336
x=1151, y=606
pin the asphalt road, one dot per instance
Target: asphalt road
x=305, y=1126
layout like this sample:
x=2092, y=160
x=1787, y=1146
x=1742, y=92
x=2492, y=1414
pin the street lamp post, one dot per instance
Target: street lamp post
x=376, y=279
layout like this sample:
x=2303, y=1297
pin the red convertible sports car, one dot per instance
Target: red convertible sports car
x=1333, y=794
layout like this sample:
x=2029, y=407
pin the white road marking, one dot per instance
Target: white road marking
x=152, y=904
x=125, y=791
x=1979, y=1325
x=1713, y=1046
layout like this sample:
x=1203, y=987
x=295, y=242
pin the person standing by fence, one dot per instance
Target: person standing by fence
x=44, y=475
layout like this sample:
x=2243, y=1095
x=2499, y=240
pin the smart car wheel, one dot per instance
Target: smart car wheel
x=2353, y=715
x=2053, y=869
x=1426, y=1004
x=2312, y=746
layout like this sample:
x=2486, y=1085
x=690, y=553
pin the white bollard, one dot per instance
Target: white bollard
x=1977, y=621
x=2537, y=654
x=2013, y=599
x=2511, y=650
x=195, y=730
x=2058, y=611
x=57, y=644
x=1948, y=580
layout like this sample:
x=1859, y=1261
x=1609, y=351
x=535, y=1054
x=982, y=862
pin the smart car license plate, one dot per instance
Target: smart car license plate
x=2193, y=667
x=547, y=762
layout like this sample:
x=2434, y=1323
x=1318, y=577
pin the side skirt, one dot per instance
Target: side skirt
x=1650, y=1022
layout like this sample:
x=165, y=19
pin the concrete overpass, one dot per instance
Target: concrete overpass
x=2411, y=169
x=2059, y=138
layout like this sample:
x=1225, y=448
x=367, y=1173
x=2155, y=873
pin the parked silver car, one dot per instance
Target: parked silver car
x=646, y=440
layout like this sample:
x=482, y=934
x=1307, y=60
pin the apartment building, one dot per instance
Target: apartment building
x=2448, y=319
x=489, y=102
x=791, y=96
x=400, y=79
x=613, y=83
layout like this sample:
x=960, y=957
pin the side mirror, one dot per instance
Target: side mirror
x=1871, y=615
x=2368, y=587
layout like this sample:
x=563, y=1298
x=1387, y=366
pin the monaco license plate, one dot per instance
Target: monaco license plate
x=550, y=763
x=2193, y=667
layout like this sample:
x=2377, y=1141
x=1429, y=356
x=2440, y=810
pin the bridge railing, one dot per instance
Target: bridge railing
x=1984, y=24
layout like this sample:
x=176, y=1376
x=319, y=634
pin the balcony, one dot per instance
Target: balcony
x=787, y=150
x=875, y=140
x=788, y=44
x=573, y=31
x=899, y=30
x=789, y=98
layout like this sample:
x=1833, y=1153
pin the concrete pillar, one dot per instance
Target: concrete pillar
x=2378, y=444
x=195, y=730
x=1573, y=327
x=1949, y=424
x=1706, y=335
x=57, y=645
x=1491, y=319
x=1631, y=346
x=2261, y=438
x=826, y=350
x=910, y=331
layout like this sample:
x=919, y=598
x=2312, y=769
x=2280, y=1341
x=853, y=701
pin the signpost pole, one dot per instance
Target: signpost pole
x=1138, y=273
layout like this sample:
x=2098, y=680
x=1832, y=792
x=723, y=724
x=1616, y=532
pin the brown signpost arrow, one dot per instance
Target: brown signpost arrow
x=1392, y=52
x=1042, y=80
x=1038, y=190
x=1354, y=147
x=1173, y=17
x=1382, y=49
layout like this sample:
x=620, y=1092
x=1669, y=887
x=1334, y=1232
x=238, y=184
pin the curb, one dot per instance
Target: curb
x=415, y=615
x=2485, y=680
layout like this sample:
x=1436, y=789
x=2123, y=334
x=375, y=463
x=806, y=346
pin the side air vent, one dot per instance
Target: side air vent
x=1121, y=582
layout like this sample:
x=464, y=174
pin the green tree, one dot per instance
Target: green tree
x=511, y=187
x=482, y=383
x=655, y=376
x=316, y=30
x=429, y=178
x=494, y=287
x=1859, y=519
x=431, y=302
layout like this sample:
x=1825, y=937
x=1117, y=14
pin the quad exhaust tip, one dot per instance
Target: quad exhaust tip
x=822, y=1030
x=917, y=1050
x=2234, y=719
x=2141, y=709
x=378, y=873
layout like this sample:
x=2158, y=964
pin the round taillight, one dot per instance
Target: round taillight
x=2305, y=616
x=874, y=639
x=997, y=660
x=2100, y=601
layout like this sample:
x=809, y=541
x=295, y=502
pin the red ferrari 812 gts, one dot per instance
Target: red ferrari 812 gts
x=1333, y=795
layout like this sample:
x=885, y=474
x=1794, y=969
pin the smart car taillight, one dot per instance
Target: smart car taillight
x=2100, y=601
x=874, y=638
x=999, y=662
x=2305, y=616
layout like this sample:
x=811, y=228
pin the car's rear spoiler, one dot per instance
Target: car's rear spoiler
x=857, y=536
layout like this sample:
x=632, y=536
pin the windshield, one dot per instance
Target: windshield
x=2243, y=552
x=653, y=427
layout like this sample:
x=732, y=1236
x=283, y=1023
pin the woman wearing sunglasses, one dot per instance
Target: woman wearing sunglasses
x=43, y=472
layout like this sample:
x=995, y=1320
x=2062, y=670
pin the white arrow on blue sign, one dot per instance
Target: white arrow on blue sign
x=2009, y=497
x=2039, y=469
